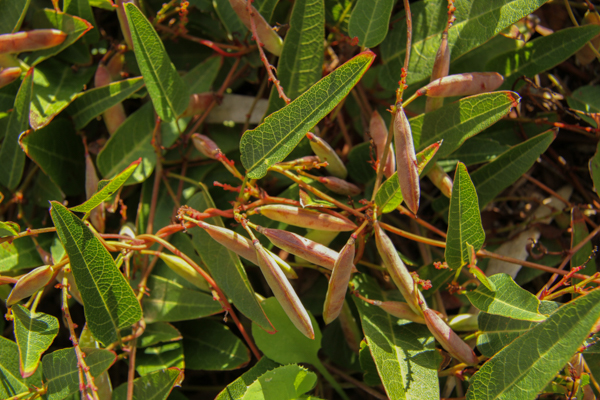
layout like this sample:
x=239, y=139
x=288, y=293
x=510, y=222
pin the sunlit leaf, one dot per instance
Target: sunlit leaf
x=162, y=356
x=287, y=382
x=9, y=228
x=370, y=20
x=10, y=376
x=154, y=386
x=158, y=332
x=236, y=389
x=83, y=9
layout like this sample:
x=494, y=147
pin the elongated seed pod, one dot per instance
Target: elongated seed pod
x=379, y=133
x=462, y=84
x=115, y=115
x=441, y=67
x=5, y=280
x=586, y=55
x=305, y=218
x=9, y=75
x=283, y=291
x=350, y=329
x=401, y=310
x=464, y=322
x=406, y=160
x=322, y=149
x=441, y=180
x=199, y=102
x=271, y=40
x=38, y=39
x=339, y=186
x=397, y=270
x=185, y=270
x=338, y=282
x=30, y=283
x=449, y=340
x=206, y=146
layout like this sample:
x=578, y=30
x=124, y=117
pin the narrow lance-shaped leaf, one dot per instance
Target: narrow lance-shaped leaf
x=166, y=88
x=538, y=355
x=34, y=332
x=277, y=136
x=579, y=231
x=154, y=386
x=12, y=158
x=370, y=21
x=109, y=302
x=108, y=190
x=464, y=222
x=12, y=14
x=594, y=167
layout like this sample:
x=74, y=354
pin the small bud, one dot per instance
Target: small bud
x=379, y=134
x=441, y=180
x=38, y=39
x=9, y=75
x=266, y=35
x=305, y=218
x=283, y=291
x=463, y=84
x=30, y=283
x=325, y=153
x=185, y=270
x=338, y=282
x=206, y=146
x=339, y=186
x=406, y=160
x=449, y=340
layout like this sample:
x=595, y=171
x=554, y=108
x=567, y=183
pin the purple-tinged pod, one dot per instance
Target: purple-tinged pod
x=9, y=75
x=6, y=280
x=350, y=328
x=466, y=84
x=199, y=103
x=271, y=40
x=115, y=115
x=406, y=161
x=38, y=39
x=338, y=282
x=449, y=340
x=379, y=133
x=325, y=153
x=305, y=218
x=283, y=291
x=206, y=146
x=397, y=270
x=441, y=67
x=30, y=283
x=401, y=310
x=340, y=186
x=441, y=180
x=185, y=270
x=306, y=161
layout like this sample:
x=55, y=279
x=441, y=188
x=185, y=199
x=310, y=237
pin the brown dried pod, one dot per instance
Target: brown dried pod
x=449, y=340
x=271, y=40
x=340, y=186
x=338, y=282
x=397, y=270
x=9, y=75
x=38, y=39
x=379, y=133
x=305, y=218
x=206, y=146
x=406, y=161
x=30, y=283
x=283, y=291
x=466, y=84
x=325, y=153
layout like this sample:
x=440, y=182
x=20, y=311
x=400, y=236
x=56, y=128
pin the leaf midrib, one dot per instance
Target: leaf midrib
x=129, y=83
x=510, y=306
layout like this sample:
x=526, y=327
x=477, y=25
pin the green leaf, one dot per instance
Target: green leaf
x=108, y=190
x=12, y=14
x=538, y=355
x=370, y=21
x=389, y=196
x=171, y=301
x=586, y=99
x=405, y=355
x=210, y=345
x=8, y=228
x=287, y=382
x=158, y=332
x=277, y=136
x=154, y=386
x=20, y=254
x=497, y=332
x=91, y=103
x=34, y=333
x=579, y=231
x=59, y=152
x=476, y=150
x=109, y=302
x=476, y=23
x=83, y=9
x=159, y=357
x=236, y=389
x=166, y=88
x=200, y=78
x=44, y=190
x=301, y=61
x=10, y=376
x=225, y=266
x=458, y=121
x=62, y=374
x=541, y=54
x=464, y=222
x=594, y=167
x=12, y=159
x=74, y=27
x=230, y=20
x=509, y=300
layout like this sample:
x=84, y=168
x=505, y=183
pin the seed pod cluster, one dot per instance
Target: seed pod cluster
x=325, y=153
x=338, y=282
x=283, y=291
x=462, y=84
x=406, y=160
x=38, y=39
x=30, y=283
x=305, y=218
x=379, y=134
x=271, y=40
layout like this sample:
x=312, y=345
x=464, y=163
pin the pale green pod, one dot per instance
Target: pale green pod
x=305, y=218
x=338, y=282
x=464, y=322
x=283, y=291
x=271, y=40
x=441, y=180
x=449, y=340
x=325, y=153
x=406, y=161
x=30, y=283
x=38, y=39
x=185, y=270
